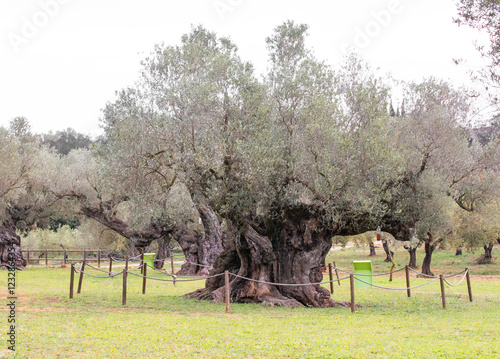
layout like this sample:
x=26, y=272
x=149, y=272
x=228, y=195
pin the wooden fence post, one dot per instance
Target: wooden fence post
x=469, y=289
x=227, y=291
x=71, y=281
x=408, y=292
x=353, y=305
x=84, y=255
x=331, y=277
x=443, y=296
x=145, y=273
x=65, y=256
x=336, y=273
x=110, y=264
x=28, y=255
x=142, y=261
x=124, y=291
x=172, y=265
x=98, y=258
x=46, y=257
x=82, y=269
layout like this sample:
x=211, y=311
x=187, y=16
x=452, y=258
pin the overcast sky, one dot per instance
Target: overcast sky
x=62, y=60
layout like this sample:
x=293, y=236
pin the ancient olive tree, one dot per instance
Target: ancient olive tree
x=305, y=170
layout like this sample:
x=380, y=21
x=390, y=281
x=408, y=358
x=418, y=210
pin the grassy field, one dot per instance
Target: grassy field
x=161, y=324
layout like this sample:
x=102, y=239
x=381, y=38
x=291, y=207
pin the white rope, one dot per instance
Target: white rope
x=98, y=269
x=422, y=274
x=162, y=272
x=370, y=275
x=124, y=259
x=111, y=275
x=377, y=286
x=456, y=274
x=455, y=285
x=177, y=280
x=142, y=276
x=286, y=284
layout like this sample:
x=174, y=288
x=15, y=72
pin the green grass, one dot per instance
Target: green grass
x=161, y=324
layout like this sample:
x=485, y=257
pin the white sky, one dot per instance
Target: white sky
x=62, y=60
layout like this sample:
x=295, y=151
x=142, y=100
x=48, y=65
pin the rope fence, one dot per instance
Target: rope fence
x=351, y=276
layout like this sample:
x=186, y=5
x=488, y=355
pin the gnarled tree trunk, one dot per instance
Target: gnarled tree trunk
x=214, y=287
x=429, y=247
x=189, y=241
x=162, y=251
x=10, y=247
x=301, y=246
x=291, y=252
x=413, y=257
x=211, y=244
x=372, y=250
x=252, y=256
x=488, y=249
x=389, y=255
x=141, y=238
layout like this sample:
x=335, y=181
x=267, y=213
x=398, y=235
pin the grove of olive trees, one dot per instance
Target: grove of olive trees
x=257, y=175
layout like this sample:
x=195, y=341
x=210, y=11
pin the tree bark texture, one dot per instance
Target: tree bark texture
x=189, y=240
x=214, y=287
x=487, y=257
x=212, y=242
x=291, y=251
x=430, y=246
x=162, y=251
x=389, y=255
x=413, y=258
x=10, y=242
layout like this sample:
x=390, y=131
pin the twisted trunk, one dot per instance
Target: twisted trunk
x=388, y=253
x=141, y=238
x=162, y=251
x=212, y=243
x=10, y=247
x=301, y=246
x=430, y=246
x=251, y=255
x=189, y=240
x=291, y=251
x=413, y=257
x=488, y=249
x=372, y=250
